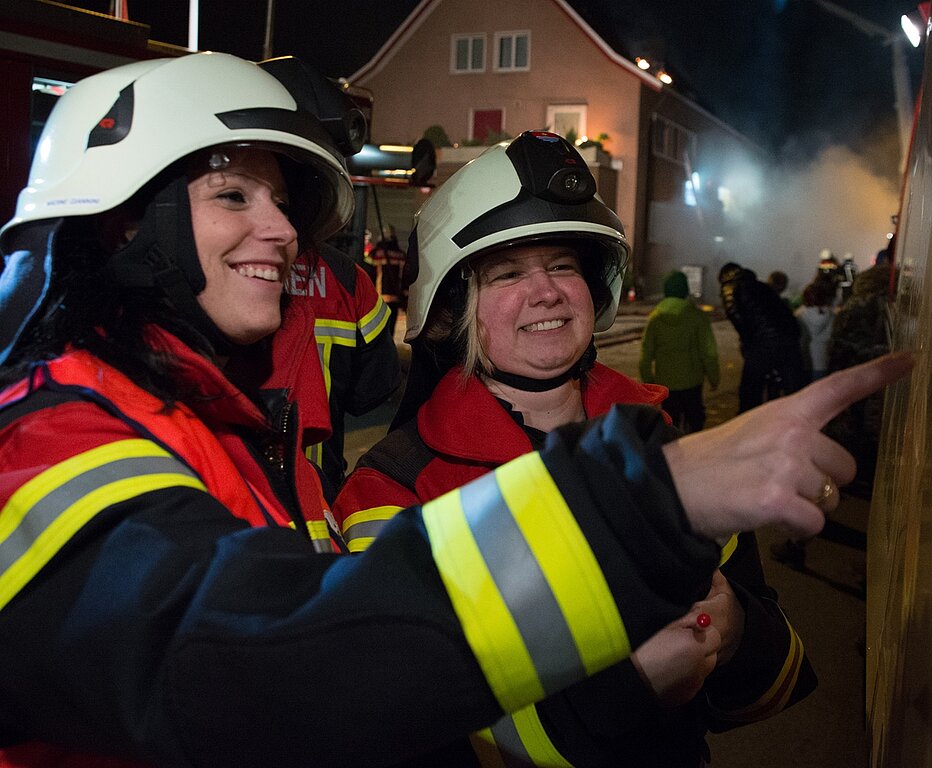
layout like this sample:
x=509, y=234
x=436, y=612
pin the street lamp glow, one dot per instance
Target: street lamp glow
x=664, y=78
x=913, y=32
x=642, y=63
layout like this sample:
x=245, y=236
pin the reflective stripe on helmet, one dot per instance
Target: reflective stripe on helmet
x=44, y=513
x=530, y=596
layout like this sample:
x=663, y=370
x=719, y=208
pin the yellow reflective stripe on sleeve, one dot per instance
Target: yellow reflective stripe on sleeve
x=44, y=513
x=320, y=535
x=361, y=528
x=339, y=332
x=485, y=749
x=372, y=323
x=517, y=740
x=532, y=601
x=729, y=549
x=314, y=453
x=568, y=563
x=777, y=696
x=535, y=740
x=487, y=623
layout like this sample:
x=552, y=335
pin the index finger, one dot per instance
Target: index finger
x=824, y=399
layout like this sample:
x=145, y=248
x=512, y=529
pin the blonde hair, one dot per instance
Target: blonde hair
x=464, y=330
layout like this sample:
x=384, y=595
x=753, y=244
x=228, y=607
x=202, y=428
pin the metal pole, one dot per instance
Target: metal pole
x=901, y=85
x=904, y=99
x=193, y=12
x=269, y=23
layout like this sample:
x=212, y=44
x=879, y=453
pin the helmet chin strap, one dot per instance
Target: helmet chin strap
x=527, y=384
x=163, y=254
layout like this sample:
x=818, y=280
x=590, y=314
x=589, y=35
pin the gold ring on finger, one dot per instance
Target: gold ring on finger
x=828, y=490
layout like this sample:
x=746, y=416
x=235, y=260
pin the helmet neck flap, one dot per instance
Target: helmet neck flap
x=163, y=255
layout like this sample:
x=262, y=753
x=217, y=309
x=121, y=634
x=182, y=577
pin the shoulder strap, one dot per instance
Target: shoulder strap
x=341, y=265
x=400, y=455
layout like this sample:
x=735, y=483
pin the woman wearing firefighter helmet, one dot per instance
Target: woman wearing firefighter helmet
x=517, y=262
x=167, y=588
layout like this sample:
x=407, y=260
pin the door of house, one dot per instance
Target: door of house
x=485, y=122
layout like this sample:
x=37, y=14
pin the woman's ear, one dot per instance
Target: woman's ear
x=117, y=227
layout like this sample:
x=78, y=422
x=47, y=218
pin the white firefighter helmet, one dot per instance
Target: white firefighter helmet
x=113, y=132
x=534, y=188
x=128, y=128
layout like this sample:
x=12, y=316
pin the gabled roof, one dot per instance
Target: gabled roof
x=425, y=7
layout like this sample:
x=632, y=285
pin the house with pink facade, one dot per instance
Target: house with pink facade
x=483, y=70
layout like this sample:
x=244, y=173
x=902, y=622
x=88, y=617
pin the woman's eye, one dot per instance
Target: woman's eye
x=233, y=195
x=284, y=207
x=567, y=266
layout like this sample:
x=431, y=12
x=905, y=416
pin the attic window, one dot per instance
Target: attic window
x=467, y=53
x=513, y=51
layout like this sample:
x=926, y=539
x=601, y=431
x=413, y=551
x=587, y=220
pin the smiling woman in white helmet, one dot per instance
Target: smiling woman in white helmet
x=517, y=262
x=170, y=589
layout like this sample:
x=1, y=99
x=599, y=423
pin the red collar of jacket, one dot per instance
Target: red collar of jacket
x=492, y=435
x=287, y=363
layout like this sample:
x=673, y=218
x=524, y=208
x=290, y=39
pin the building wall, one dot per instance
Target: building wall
x=713, y=231
x=415, y=88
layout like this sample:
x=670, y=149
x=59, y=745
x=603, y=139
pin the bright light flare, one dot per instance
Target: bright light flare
x=912, y=30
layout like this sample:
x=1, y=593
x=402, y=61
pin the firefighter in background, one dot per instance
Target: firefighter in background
x=389, y=262
x=848, y=271
x=368, y=265
x=830, y=274
x=170, y=590
x=357, y=352
x=501, y=331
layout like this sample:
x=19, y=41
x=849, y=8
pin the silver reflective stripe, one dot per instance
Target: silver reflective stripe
x=372, y=326
x=365, y=529
x=333, y=332
x=509, y=745
x=522, y=585
x=49, y=508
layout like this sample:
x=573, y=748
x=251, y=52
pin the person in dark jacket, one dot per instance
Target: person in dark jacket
x=358, y=356
x=519, y=308
x=769, y=334
x=860, y=332
x=173, y=589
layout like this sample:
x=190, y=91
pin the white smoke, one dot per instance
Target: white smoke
x=835, y=202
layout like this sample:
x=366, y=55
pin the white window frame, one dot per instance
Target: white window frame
x=581, y=109
x=471, y=39
x=513, y=35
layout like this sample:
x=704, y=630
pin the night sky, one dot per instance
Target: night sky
x=786, y=73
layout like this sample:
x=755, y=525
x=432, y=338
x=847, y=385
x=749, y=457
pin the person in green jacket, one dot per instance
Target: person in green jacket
x=678, y=350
